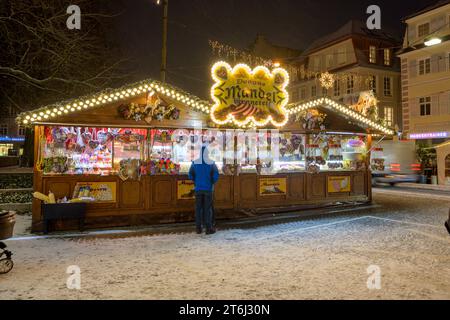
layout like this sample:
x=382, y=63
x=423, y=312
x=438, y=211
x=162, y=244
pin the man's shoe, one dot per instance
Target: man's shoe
x=211, y=231
x=199, y=230
x=447, y=225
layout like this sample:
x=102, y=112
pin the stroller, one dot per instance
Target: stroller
x=6, y=263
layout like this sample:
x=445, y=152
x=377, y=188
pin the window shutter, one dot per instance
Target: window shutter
x=411, y=33
x=434, y=63
x=413, y=68
x=442, y=62
x=435, y=105
x=414, y=107
x=443, y=103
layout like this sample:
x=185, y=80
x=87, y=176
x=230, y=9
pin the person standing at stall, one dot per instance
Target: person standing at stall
x=205, y=174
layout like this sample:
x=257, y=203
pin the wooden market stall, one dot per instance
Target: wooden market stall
x=129, y=151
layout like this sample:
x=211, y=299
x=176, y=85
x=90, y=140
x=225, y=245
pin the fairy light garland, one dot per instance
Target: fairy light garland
x=342, y=109
x=111, y=96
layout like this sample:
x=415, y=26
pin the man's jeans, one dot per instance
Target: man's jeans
x=203, y=203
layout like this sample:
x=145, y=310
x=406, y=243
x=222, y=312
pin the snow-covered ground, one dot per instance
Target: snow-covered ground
x=324, y=258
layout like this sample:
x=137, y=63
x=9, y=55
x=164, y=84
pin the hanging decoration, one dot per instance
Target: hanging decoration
x=312, y=119
x=326, y=80
x=244, y=96
x=160, y=109
x=367, y=105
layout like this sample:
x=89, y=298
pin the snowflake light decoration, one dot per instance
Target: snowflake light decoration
x=326, y=80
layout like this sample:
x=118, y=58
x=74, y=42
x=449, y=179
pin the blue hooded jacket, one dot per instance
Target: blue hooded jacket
x=204, y=172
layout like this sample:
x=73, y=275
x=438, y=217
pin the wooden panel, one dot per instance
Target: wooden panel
x=162, y=192
x=296, y=187
x=223, y=190
x=359, y=184
x=318, y=186
x=131, y=195
x=248, y=187
x=60, y=189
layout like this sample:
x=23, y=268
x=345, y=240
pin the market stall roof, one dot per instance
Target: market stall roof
x=343, y=111
x=109, y=96
x=54, y=111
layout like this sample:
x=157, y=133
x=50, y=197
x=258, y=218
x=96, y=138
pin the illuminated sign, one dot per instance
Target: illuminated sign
x=249, y=97
x=11, y=139
x=429, y=135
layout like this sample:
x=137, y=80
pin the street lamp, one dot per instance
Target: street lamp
x=432, y=42
x=165, y=4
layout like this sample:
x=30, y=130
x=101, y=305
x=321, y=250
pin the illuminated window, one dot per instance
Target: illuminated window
x=387, y=86
x=425, y=106
x=423, y=30
x=337, y=88
x=3, y=129
x=387, y=57
x=4, y=149
x=389, y=116
x=350, y=84
x=424, y=66
x=373, y=54
x=314, y=91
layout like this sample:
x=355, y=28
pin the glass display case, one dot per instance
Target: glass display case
x=292, y=155
x=77, y=150
x=335, y=152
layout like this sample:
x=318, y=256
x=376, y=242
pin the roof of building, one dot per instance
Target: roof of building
x=426, y=9
x=351, y=28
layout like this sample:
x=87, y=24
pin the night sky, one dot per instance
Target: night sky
x=291, y=23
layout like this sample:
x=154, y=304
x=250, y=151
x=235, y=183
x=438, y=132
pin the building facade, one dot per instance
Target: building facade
x=12, y=138
x=360, y=60
x=425, y=71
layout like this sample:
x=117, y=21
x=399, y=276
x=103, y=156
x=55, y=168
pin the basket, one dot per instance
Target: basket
x=7, y=222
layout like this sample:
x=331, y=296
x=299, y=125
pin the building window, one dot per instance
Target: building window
x=373, y=84
x=423, y=30
x=373, y=54
x=295, y=95
x=4, y=149
x=21, y=131
x=337, y=88
x=389, y=116
x=3, y=129
x=424, y=66
x=329, y=61
x=387, y=57
x=302, y=93
x=324, y=91
x=387, y=86
x=342, y=56
x=350, y=84
x=314, y=91
x=425, y=106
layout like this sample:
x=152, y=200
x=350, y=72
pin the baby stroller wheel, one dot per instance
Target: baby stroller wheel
x=6, y=265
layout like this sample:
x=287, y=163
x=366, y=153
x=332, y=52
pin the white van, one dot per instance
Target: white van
x=394, y=162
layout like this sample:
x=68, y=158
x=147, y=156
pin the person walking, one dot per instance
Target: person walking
x=205, y=174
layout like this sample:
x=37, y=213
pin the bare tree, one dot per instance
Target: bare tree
x=42, y=61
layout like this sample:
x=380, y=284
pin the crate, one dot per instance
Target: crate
x=63, y=211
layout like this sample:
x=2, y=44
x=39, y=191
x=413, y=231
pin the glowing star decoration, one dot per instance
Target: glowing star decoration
x=246, y=97
x=326, y=80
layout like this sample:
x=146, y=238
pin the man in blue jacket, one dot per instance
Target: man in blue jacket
x=205, y=174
